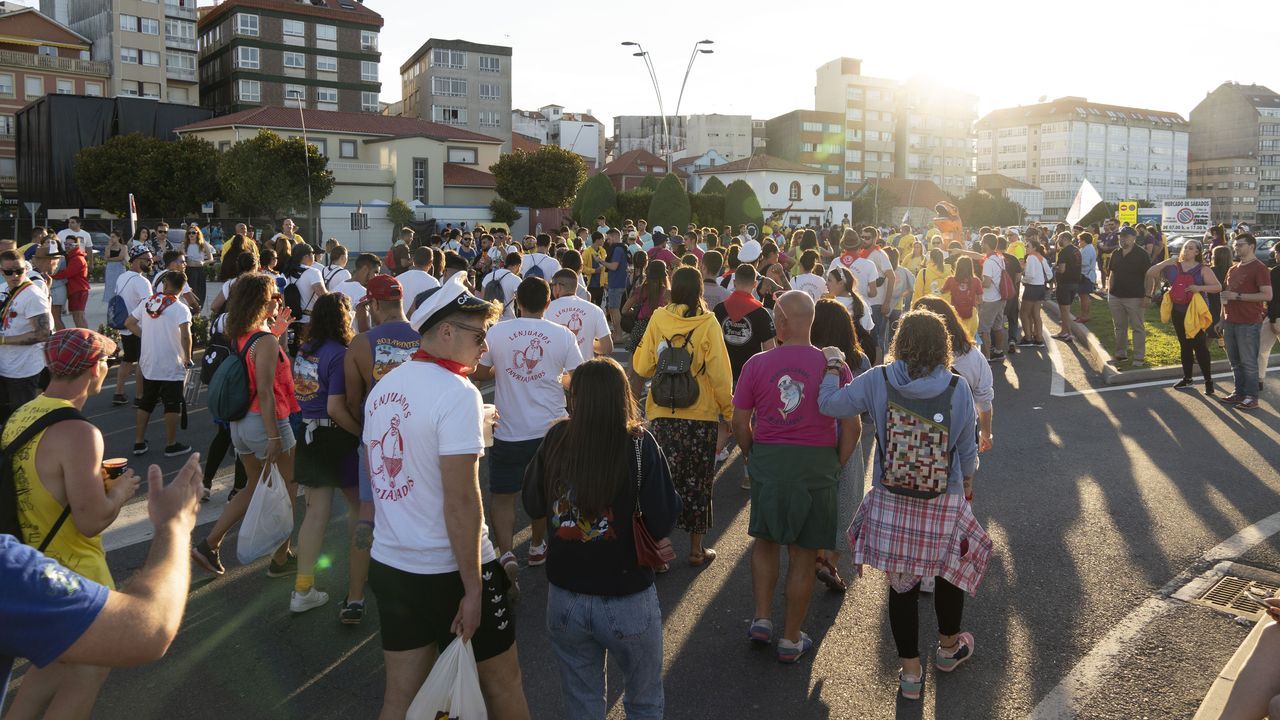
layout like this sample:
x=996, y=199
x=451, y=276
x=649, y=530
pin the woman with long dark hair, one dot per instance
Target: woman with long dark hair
x=593, y=471
x=1187, y=276
x=199, y=253
x=916, y=522
x=842, y=286
x=647, y=296
x=326, y=457
x=256, y=318
x=833, y=327
x=1036, y=274
x=688, y=433
x=1220, y=262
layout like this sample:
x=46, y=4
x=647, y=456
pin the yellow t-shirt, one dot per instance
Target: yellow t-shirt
x=929, y=281
x=1018, y=249
x=249, y=246
x=38, y=510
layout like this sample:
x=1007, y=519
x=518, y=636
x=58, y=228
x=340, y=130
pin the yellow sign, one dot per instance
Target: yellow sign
x=1127, y=212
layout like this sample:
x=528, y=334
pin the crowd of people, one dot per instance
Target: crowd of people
x=363, y=377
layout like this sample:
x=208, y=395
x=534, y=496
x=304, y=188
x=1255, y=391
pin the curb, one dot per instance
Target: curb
x=1216, y=699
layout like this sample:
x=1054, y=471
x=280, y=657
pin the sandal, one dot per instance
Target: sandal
x=829, y=576
x=705, y=558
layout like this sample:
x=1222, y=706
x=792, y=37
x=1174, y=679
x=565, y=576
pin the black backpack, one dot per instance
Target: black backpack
x=9, y=524
x=219, y=349
x=493, y=290
x=229, y=398
x=293, y=297
x=674, y=385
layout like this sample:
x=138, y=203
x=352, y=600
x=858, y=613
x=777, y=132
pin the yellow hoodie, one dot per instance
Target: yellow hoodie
x=710, y=362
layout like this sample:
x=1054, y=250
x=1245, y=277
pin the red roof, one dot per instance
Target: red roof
x=629, y=163
x=906, y=193
x=456, y=175
x=520, y=141
x=349, y=10
x=282, y=118
x=760, y=162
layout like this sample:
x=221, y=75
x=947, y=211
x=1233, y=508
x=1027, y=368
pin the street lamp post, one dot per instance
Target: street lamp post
x=306, y=157
x=653, y=77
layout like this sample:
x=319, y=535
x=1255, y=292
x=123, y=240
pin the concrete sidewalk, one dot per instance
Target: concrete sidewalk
x=95, y=313
x=1216, y=700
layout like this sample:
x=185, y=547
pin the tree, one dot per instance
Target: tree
x=400, y=215
x=983, y=208
x=670, y=205
x=650, y=183
x=634, y=204
x=741, y=205
x=873, y=205
x=713, y=186
x=503, y=211
x=167, y=178
x=546, y=178
x=597, y=197
x=266, y=175
x=708, y=209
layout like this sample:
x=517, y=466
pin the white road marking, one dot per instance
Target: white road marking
x=1058, y=384
x=1134, y=386
x=1069, y=697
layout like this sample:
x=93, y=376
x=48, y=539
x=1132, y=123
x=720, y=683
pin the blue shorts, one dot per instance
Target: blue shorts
x=362, y=475
x=614, y=299
x=507, y=462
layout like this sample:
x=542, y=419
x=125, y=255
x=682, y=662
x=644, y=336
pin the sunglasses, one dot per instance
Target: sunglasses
x=480, y=333
x=12, y=271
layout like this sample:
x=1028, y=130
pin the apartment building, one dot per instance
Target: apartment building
x=812, y=138
x=869, y=107
x=460, y=83
x=1235, y=154
x=39, y=57
x=581, y=133
x=646, y=132
x=935, y=139
x=149, y=45
x=732, y=136
x=1126, y=153
x=318, y=54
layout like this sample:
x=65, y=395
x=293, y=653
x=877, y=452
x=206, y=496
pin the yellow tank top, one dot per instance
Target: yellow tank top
x=38, y=510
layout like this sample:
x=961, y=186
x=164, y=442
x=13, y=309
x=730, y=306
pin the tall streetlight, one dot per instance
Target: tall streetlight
x=306, y=156
x=653, y=77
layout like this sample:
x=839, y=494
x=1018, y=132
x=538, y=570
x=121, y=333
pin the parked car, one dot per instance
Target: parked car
x=1266, y=248
x=100, y=241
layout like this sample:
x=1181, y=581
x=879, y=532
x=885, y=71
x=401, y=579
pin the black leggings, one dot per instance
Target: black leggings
x=1196, y=349
x=904, y=620
x=218, y=448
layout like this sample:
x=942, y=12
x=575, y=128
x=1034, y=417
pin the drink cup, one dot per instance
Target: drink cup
x=489, y=420
x=112, y=468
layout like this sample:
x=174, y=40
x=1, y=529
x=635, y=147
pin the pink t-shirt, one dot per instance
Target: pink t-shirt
x=781, y=386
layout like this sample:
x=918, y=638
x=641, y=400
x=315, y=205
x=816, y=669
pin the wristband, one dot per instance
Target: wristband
x=273, y=438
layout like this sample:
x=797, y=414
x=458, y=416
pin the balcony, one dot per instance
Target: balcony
x=180, y=73
x=174, y=10
x=173, y=42
x=356, y=172
x=13, y=58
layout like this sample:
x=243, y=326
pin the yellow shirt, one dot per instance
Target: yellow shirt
x=929, y=281
x=710, y=362
x=38, y=510
x=249, y=246
x=1018, y=249
x=593, y=262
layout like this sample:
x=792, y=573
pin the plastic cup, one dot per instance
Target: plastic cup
x=490, y=419
x=114, y=467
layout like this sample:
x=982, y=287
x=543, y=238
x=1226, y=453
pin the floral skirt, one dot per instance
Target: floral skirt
x=690, y=447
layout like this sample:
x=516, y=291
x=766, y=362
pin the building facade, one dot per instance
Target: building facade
x=811, y=138
x=936, y=137
x=629, y=170
x=691, y=135
x=321, y=54
x=462, y=84
x=579, y=133
x=39, y=57
x=869, y=108
x=1235, y=154
x=781, y=186
x=149, y=45
x=1126, y=153
x=646, y=132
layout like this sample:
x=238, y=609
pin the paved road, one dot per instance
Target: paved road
x=1094, y=501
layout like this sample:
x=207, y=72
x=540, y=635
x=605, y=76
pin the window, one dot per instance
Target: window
x=448, y=58
x=793, y=191
x=129, y=55
x=129, y=23
x=853, y=93
x=296, y=28
x=93, y=89
x=326, y=95
x=490, y=119
x=321, y=145
x=420, y=179
x=66, y=87
x=853, y=156
x=34, y=86
x=130, y=88
x=6, y=125
x=466, y=156
x=247, y=58
x=326, y=32
x=325, y=63
x=179, y=29
x=224, y=145
x=149, y=26
x=449, y=115
x=48, y=51
x=489, y=63
x=369, y=40
x=854, y=114
x=151, y=90
x=294, y=94
x=368, y=71
x=347, y=149
x=773, y=188
x=295, y=60
x=490, y=91
x=8, y=167
x=369, y=102
x=449, y=87
x=250, y=91
x=246, y=24
x=6, y=84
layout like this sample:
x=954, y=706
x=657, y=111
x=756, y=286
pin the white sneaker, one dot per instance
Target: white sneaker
x=311, y=599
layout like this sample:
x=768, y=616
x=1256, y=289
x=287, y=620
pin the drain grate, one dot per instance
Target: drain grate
x=1229, y=595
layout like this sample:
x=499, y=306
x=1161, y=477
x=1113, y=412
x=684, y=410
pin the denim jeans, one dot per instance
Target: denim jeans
x=583, y=628
x=890, y=328
x=1242, y=341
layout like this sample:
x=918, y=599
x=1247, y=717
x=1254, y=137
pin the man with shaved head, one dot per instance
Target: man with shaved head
x=794, y=454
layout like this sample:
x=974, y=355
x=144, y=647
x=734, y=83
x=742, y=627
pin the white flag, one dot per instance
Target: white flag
x=1087, y=198
x=905, y=215
x=133, y=216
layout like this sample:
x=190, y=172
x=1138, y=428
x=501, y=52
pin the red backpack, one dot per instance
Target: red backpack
x=964, y=296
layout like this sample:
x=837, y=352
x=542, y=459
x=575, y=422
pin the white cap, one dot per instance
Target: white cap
x=452, y=293
x=1012, y=231
x=750, y=251
x=513, y=249
x=657, y=229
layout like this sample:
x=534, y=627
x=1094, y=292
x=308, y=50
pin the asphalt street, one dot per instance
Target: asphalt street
x=1095, y=502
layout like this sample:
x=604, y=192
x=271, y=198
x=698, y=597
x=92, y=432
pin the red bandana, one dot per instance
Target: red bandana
x=452, y=366
x=158, y=303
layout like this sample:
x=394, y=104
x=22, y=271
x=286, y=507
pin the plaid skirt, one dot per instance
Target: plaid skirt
x=912, y=538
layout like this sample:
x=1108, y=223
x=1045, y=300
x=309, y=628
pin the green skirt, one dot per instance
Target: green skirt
x=793, y=495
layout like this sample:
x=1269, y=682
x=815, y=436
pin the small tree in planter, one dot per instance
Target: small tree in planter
x=400, y=215
x=503, y=211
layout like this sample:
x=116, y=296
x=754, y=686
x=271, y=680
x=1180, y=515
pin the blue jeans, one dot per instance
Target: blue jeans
x=1242, y=351
x=583, y=628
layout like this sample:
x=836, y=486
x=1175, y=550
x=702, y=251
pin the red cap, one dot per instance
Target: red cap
x=383, y=287
x=74, y=350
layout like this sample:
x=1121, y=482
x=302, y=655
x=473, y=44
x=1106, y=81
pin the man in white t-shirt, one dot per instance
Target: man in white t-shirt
x=418, y=279
x=134, y=288
x=163, y=322
x=73, y=236
x=309, y=280
x=991, y=317
x=529, y=359
x=812, y=284
x=509, y=279
x=176, y=261
x=581, y=317
x=336, y=272
x=881, y=285
x=540, y=263
x=367, y=265
x=433, y=566
x=25, y=323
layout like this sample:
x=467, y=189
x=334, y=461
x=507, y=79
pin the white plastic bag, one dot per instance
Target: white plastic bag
x=452, y=689
x=269, y=520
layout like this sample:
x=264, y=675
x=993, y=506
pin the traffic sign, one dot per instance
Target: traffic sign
x=1127, y=212
x=1189, y=215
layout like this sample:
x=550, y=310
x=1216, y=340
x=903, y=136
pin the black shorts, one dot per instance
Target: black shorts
x=507, y=462
x=1065, y=293
x=1033, y=293
x=416, y=610
x=132, y=348
x=155, y=391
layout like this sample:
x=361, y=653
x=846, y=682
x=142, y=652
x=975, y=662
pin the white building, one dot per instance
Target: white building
x=1126, y=153
x=781, y=184
x=691, y=135
x=531, y=123
x=579, y=133
x=692, y=165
